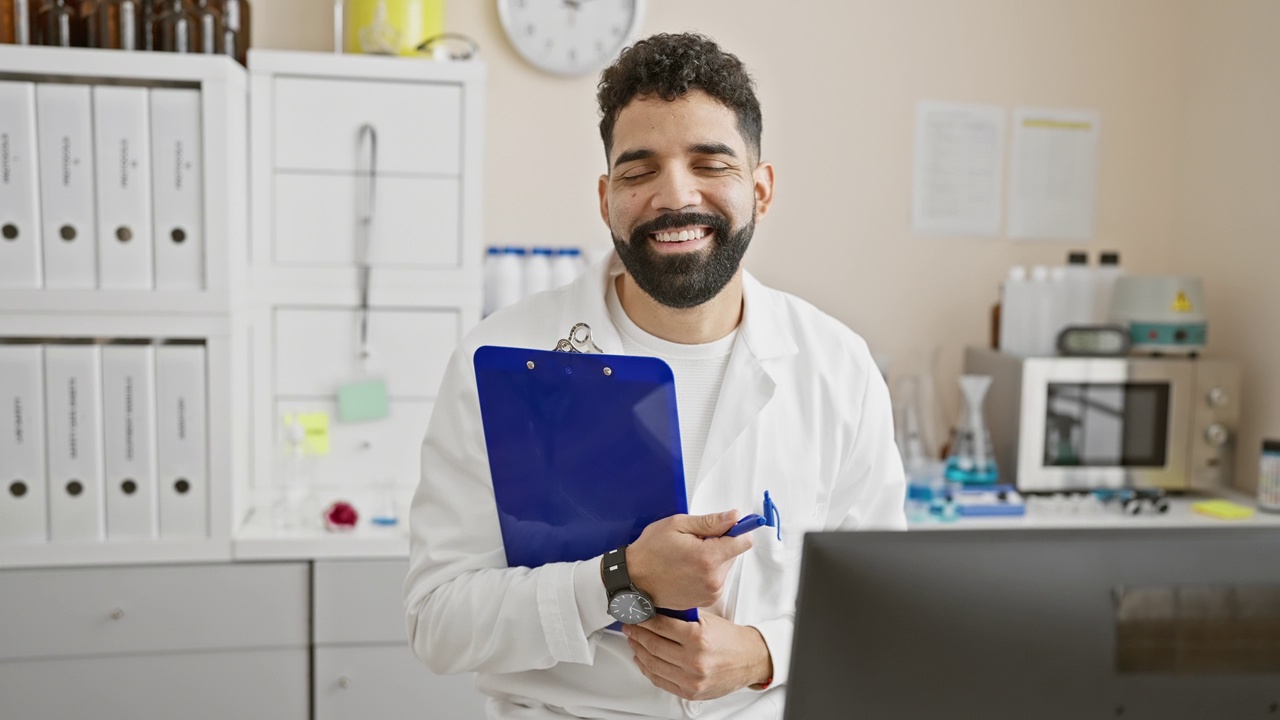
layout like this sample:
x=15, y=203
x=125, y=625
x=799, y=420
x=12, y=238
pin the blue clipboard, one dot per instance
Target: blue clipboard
x=584, y=451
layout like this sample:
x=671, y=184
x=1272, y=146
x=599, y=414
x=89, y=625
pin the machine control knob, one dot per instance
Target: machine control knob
x=1217, y=434
x=1218, y=397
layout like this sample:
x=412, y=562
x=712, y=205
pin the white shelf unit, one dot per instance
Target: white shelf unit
x=307, y=173
x=211, y=314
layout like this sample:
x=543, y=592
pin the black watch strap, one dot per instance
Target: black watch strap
x=613, y=569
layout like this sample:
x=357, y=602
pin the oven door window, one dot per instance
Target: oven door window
x=1107, y=425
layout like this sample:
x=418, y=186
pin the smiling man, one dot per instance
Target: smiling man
x=772, y=395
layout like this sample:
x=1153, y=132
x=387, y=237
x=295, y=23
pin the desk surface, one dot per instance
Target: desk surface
x=1180, y=514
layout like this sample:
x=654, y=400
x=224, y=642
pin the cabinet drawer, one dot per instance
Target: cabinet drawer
x=245, y=685
x=318, y=121
x=360, y=601
x=90, y=611
x=316, y=350
x=416, y=221
x=354, y=683
x=369, y=453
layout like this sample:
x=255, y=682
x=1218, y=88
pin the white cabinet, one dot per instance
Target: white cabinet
x=316, y=349
x=418, y=222
x=363, y=665
x=83, y=611
x=192, y=641
x=185, y=139
x=245, y=685
x=387, y=681
x=317, y=120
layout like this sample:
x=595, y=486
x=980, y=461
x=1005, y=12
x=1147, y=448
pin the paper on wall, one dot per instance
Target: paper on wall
x=959, y=165
x=1054, y=185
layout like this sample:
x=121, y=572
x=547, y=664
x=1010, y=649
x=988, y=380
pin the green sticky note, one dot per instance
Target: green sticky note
x=366, y=400
x=315, y=429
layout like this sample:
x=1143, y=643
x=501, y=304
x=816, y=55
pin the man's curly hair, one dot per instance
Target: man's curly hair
x=670, y=66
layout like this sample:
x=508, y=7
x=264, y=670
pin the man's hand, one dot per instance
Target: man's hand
x=699, y=661
x=681, y=561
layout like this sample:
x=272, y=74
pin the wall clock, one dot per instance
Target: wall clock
x=570, y=37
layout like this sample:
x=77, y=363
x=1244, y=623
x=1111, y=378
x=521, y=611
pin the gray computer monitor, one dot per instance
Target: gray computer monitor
x=1042, y=624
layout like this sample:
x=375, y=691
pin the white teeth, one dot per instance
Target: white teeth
x=682, y=236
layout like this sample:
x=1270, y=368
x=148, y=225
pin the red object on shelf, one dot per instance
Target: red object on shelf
x=340, y=516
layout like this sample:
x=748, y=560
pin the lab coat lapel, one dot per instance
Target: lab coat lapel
x=748, y=386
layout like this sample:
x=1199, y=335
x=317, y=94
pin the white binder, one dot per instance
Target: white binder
x=64, y=126
x=23, y=502
x=73, y=423
x=19, y=188
x=123, y=164
x=128, y=412
x=178, y=195
x=181, y=443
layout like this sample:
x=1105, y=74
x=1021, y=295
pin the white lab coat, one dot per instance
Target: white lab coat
x=803, y=413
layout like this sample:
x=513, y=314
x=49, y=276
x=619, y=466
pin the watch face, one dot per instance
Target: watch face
x=629, y=607
x=569, y=37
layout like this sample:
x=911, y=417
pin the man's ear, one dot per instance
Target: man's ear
x=603, y=188
x=763, y=176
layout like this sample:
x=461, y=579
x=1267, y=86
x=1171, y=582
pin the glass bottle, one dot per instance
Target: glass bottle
x=146, y=19
x=235, y=29
x=57, y=23
x=15, y=21
x=186, y=27
x=114, y=24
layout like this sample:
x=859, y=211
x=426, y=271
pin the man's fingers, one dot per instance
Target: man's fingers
x=656, y=665
x=713, y=525
x=656, y=643
x=659, y=682
x=667, y=627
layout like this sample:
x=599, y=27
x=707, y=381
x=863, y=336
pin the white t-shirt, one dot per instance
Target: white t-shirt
x=699, y=372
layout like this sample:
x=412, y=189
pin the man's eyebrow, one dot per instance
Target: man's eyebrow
x=712, y=149
x=637, y=154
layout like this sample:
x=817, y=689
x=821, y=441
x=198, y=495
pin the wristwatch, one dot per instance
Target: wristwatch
x=627, y=603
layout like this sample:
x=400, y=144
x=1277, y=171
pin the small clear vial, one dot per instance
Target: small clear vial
x=1269, y=477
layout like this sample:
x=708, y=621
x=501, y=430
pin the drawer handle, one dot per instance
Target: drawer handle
x=344, y=683
x=117, y=614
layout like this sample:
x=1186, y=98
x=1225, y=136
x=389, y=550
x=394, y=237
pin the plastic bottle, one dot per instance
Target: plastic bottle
x=1016, y=302
x=1079, y=278
x=492, y=257
x=1058, y=313
x=566, y=265
x=508, y=278
x=537, y=271
x=1104, y=283
x=1040, y=313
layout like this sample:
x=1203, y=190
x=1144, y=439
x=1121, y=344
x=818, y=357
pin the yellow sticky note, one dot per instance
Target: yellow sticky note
x=1223, y=510
x=315, y=428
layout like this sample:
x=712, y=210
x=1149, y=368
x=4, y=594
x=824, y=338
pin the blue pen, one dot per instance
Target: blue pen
x=771, y=517
x=746, y=525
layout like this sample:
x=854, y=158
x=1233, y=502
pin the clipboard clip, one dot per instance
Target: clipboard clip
x=579, y=341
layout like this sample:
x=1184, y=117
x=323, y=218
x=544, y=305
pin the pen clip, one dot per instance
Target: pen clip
x=772, y=517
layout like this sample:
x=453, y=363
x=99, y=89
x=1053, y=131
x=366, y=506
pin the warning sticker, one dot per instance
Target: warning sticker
x=1181, y=304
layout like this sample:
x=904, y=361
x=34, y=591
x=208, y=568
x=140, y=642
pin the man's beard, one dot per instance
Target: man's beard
x=688, y=279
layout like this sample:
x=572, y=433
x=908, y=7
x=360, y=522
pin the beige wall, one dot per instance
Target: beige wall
x=1228, y=211
x=839, y=82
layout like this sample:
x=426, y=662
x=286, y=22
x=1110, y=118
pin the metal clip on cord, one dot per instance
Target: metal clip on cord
x=364, y=217
x=579, y=341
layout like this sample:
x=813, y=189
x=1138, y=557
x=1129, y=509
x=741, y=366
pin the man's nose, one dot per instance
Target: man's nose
x=677, y=189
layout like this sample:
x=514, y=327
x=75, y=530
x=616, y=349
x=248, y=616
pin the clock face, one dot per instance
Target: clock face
x=570, y=37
